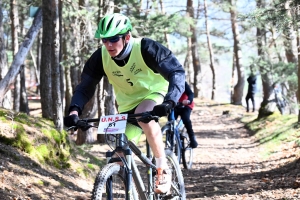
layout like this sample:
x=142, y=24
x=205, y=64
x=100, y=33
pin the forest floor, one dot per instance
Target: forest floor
x=229, y=163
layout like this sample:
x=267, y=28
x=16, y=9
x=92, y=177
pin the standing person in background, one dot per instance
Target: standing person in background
x=251, y=91
x=145, y=76
x=184, y=109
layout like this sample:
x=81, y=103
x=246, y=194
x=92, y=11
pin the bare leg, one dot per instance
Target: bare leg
x=152, y=129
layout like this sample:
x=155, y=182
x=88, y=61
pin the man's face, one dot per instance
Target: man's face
x=115, y=45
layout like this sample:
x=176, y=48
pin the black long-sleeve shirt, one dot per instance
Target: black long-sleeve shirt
x=157, y=57
x=251, y=84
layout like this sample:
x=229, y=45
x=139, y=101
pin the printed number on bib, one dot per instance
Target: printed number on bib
x=112, y=124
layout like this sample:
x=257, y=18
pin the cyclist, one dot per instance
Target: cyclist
x=184, y=109
x=145, y=76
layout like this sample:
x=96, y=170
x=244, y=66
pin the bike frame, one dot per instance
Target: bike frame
x=121, y=155
x=131, y=167
x=175, y=128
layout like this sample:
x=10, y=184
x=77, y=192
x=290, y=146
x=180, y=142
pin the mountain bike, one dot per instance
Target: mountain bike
x=177, y=141
x=121, y=178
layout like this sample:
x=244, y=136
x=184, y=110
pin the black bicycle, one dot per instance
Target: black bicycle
x=177, y=141
x=121, y=178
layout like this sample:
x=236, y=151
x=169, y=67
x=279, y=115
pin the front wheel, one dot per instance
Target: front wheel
x=177, y=190
x=110, y=183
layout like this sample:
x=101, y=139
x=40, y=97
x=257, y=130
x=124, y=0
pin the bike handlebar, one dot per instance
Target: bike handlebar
x=146, y=117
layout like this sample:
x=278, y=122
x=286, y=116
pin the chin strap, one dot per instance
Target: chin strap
x=125, y=51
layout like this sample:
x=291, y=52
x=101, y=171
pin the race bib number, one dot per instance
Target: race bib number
x=112, y=124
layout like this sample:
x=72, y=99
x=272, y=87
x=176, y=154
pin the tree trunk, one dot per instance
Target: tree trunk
x=16, y=91
x=272, y=29
x=45, y=71
x=188, y=63
x=298, y=92
x=288, y=42
x=211, y=54
x=61, y=67
x=265, y=107
x=166, y=36
x=38, y=62
x=55, y=70
x=36, y=78
x=195, y=54
x=232, y=78
x=239, y=87
x=75, y=69
x=90, y=110
x=101, y=107
x=82, y=44
x=21, y=55
x=289, y=33
x=23, y=94
x=109, y=102
x=14, y=17
x=68, y=81
x=5, y=102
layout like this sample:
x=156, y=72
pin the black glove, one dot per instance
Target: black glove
x=83, y=125
x=71, y=120
x=163, y=109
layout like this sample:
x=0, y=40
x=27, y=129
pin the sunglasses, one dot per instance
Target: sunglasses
x=113, y=39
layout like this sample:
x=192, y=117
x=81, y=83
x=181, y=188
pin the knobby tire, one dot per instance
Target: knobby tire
x=111, y=173
x=177, y=188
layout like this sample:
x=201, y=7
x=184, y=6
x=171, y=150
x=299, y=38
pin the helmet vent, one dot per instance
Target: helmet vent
x=102, y=25
x=109, y=23
x=118, y=22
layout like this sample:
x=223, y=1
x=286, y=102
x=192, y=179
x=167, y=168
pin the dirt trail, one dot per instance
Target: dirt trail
x=228, y=162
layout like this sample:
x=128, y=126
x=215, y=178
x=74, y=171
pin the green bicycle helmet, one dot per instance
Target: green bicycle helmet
x=113, y=24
